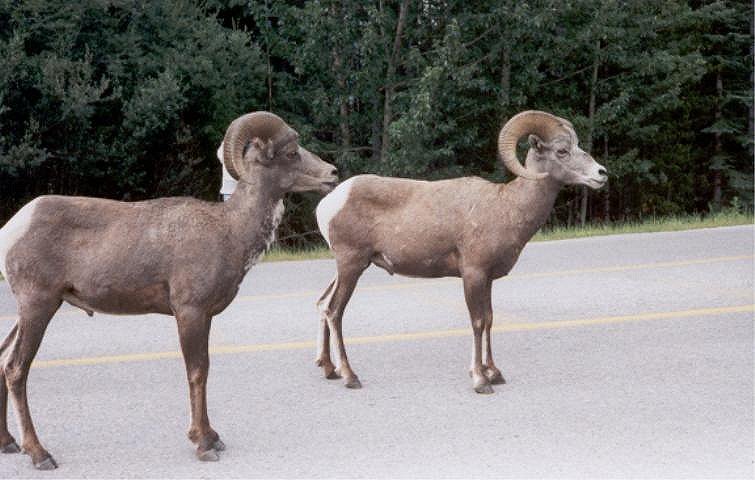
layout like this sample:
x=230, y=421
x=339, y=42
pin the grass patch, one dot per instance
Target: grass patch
x=655, y=224
x=278, y=254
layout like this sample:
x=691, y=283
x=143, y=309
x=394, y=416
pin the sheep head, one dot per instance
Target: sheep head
x=262, y=144
x=554, y=150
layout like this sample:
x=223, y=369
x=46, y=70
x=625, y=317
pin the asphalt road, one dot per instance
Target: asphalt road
x=626, y=356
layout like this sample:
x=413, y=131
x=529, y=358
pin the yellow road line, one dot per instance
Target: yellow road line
x=698, y=312
x=428, y=283
x=399, y=337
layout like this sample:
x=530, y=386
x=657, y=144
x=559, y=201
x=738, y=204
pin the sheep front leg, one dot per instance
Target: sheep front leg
x=491, y=371
x=477, y=285
x=194, y=332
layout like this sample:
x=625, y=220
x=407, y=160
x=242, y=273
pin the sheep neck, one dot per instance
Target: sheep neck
x=534, y=200
x=254, y=211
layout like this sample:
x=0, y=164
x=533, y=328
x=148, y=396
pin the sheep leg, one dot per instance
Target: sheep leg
x=491, y=371
x=7, y=442
x=193, y=333
x=34, y=315
x=477, y=286
x=323, y=355
x=344, y=287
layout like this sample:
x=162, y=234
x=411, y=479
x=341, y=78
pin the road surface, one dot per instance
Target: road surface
x=626, y=356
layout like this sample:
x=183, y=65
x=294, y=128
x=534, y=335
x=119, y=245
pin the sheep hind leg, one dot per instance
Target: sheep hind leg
x=344, y=287
x=34, y=315
x=323, y=359
x=7, y=442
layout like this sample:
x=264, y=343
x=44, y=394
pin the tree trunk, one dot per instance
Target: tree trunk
x=505, y=76
x=390, y=79
x=751, y=119
x=375, y=136
x=266, y=36
x=377, y=103
x=269, y=82
x=335, y=10
x=343, y=107
x=607, y=190
x=583, y=206
x=717, y=148
x=590, y=128
x=344, y=125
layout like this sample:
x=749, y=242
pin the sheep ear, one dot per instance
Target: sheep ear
x=261, y=151
x=536, y=142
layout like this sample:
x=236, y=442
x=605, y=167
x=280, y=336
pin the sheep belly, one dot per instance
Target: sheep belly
x=122, y=299
x=421, y=266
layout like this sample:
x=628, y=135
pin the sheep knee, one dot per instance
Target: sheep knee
x=324, y=304
x=197, y=376
x=328, y=314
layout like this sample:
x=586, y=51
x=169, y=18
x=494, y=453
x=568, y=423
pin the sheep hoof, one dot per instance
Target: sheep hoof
x=495, y=377
x=328, y=369
x=48, y=463
x=354, y=383
x=12, y=447
x=485, y=389
x=218, y=445
x=210, y=455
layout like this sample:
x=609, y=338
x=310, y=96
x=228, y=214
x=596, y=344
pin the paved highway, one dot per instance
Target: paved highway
x=626, y=356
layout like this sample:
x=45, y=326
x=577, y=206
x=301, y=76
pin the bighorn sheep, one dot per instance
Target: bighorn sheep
x=464, y=227
x=176, y=256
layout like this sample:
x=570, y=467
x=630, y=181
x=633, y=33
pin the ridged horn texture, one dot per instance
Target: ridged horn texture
x=263, y=125
x=542, y=124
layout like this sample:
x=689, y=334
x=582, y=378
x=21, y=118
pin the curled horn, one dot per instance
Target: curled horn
x=542, y=124
x=263, y=125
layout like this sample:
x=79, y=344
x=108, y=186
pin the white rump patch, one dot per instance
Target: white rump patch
x=13, y=230
x=228, y=184
x=331, y=205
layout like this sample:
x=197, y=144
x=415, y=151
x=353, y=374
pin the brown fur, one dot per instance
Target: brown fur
x=464, y=227
x=176, y=256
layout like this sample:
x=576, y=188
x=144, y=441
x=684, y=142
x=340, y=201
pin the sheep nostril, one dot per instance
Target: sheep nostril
x=602, y=172
x=334, y=172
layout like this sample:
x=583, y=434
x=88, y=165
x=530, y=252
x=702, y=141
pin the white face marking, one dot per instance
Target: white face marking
x=13, y=230
x=590, y=172
x=331, y=205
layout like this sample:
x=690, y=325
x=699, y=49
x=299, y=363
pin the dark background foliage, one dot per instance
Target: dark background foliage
x=129, y=99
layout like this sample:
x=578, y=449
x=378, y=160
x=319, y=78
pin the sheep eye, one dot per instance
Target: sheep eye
x=562, y=151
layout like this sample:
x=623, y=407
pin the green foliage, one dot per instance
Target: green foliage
x=129, y=99
x=118, y=99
